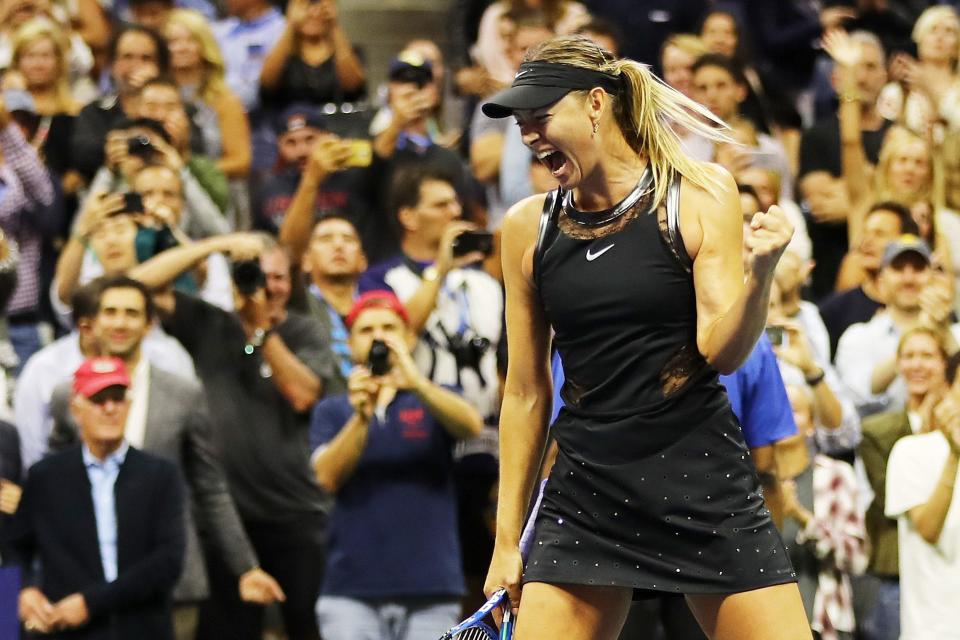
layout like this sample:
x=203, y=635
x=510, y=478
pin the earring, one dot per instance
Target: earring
x=596, y=127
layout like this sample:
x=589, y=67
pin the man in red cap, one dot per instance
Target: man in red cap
x=104, y=520
x=386, y=450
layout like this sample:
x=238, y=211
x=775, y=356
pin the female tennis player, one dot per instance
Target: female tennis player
x=636, y=265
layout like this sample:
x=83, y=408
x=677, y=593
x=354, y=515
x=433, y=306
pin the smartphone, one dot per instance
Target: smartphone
x=361, y=153
x=378, y=359
x=470, y=241
x=777, y=335
x=132, y=202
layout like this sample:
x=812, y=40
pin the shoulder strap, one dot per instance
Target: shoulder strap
x=548, y=227
x=673, y=222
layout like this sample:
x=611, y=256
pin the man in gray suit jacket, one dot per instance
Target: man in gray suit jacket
x=168, y=417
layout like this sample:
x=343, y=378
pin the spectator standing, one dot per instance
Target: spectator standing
x=55, y=364
x=136, y=54
x=866, y=355
x=105, y=521
x=921, y=360
x=198, y=68
x=313, y=177
x=884, y=223
x=821, y=171
x=263, y=368
x=455, y=311
x=313, y=60
x=168, y=417
x=824, y=530
x=394, y=554
x=29, y=213
x=921, y=480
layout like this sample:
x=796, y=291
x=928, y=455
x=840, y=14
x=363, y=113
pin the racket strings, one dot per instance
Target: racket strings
x=475, y=633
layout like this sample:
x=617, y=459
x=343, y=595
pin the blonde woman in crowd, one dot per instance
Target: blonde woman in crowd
x=679, y=53
x=197, y=67
x=932, y=83
x=491, y=49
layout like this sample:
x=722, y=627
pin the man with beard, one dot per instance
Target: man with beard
x=316, y=176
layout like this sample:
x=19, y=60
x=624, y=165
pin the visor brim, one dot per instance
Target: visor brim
x=523, y=97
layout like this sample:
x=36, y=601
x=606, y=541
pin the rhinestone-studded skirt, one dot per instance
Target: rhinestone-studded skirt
x=662, y=501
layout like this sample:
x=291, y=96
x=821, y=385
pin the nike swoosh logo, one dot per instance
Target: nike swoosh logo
x=593, y=256
x=521, y=73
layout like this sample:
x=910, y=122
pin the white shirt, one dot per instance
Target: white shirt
x=135, y=429
x=481, y=313
x=929, y=573
x=54, y=364
x=862, y=347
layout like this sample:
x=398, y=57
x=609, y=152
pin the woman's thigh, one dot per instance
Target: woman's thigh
x=760, y=614
x=572, y=612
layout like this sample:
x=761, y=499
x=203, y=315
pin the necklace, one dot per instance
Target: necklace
x=599, y=218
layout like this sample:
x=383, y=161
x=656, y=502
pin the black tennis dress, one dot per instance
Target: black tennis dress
x=653, y=487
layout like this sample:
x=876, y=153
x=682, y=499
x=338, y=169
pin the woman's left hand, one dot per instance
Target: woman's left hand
x=770, y=234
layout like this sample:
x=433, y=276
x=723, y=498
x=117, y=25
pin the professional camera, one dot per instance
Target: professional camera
x=468, y=351
x=379, y=358
x=248, y=276
x=140, y=146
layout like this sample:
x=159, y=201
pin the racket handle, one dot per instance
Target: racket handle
x=506, y=627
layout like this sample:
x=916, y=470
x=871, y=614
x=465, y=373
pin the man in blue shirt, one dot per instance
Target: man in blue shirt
x=104, y=520
x=386, y=450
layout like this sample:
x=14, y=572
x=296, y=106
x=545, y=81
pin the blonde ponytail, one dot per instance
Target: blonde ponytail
x=646, y=111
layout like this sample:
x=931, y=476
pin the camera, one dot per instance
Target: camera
x=248, y=276
x=139, y=146
x=468, y=351
x=132, y=202
x=379, y=358
x=470, y=241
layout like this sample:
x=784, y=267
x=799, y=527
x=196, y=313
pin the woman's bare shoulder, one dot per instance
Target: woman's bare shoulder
x=522, y=221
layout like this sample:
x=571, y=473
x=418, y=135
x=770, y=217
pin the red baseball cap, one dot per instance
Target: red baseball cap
x=378, y=299
x=96, y=374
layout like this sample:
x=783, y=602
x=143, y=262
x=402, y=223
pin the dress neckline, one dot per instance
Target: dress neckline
x=605, y=216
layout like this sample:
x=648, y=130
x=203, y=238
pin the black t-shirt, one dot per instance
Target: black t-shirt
x=302, y=82
x=846, y=308
x=820, y=146
x=262, y=441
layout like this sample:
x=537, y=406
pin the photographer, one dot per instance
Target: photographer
x=456, y=311
x=394, y=554
x=263, y=368
x=133, y=144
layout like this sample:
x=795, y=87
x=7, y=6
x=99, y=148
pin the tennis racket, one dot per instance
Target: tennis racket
x=476, y=628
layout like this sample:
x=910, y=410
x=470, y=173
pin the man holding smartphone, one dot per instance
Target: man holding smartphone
x=393, y=553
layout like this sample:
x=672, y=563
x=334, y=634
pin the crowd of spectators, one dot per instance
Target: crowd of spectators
x=252, y=345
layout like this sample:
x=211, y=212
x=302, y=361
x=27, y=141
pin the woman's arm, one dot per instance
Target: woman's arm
x=350, y=74
x=235, y=133
x=272, y=70
x=528, y=393
x=731, y=309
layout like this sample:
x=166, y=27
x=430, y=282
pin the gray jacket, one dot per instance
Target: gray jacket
x=178, y=428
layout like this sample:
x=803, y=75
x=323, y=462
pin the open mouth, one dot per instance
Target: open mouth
x=553, y=160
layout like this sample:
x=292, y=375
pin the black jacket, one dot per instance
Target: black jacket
x=57, y=525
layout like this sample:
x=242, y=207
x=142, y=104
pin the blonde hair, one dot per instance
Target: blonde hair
x=644, y=111
x=213, y=84
x=937, y=334
x=895, y=140
x=932, y=17
x=34, y=30
x=689, y=43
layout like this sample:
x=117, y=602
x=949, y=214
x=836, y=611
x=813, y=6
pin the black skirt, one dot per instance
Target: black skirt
x=663, y=501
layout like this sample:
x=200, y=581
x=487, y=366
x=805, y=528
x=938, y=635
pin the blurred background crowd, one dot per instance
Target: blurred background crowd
x=269, y=235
